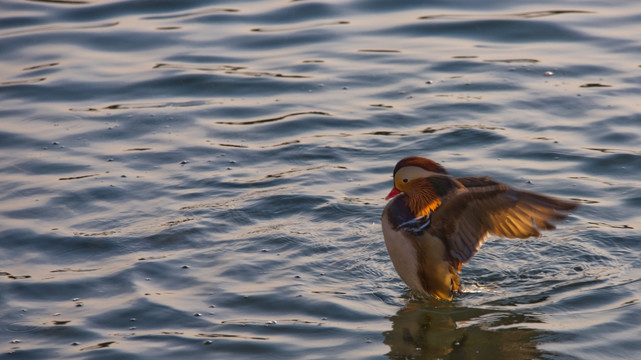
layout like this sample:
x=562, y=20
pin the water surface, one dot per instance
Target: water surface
x=187, y=179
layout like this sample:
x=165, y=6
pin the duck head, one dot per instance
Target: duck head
x=412, y=168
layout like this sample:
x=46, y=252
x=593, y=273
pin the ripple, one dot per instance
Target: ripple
x=496, y=30
x=262, y=121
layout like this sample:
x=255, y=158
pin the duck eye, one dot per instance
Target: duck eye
x=405, y=180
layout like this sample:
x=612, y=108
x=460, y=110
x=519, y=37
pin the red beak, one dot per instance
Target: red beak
x=392, y=193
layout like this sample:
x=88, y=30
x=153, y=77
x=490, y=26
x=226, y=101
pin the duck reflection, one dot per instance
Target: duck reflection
x=436, y=330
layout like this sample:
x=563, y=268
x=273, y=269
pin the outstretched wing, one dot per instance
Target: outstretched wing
x=485, y=207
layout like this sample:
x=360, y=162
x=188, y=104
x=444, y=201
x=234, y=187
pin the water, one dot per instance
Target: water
x=183, y=179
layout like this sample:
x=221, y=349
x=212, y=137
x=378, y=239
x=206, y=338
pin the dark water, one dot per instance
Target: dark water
x=190, y=179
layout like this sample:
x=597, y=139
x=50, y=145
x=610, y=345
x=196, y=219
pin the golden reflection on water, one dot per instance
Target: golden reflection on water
x=434, y=330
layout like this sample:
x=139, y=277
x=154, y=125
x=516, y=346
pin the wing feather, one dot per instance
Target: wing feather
x=486, y=207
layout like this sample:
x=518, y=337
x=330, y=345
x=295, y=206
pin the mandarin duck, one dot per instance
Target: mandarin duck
x=435, y=222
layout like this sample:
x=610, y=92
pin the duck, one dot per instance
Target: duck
x=433, y=223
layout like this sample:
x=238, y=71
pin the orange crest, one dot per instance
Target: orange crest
x=422, y=197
